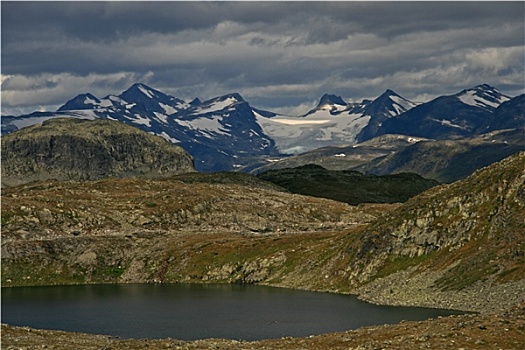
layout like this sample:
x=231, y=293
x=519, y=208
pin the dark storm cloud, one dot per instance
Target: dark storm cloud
x=280, y=54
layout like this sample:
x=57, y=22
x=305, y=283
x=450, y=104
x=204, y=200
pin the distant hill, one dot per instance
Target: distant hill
x=449, y=160
x=349, y=186
x=77, y=149
x=343, y=157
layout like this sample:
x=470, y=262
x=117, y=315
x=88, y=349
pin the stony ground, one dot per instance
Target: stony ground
x=504, y=330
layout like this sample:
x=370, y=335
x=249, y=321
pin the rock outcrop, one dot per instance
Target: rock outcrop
x=78, y=149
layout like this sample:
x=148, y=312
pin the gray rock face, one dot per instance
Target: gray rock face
x=75, y=149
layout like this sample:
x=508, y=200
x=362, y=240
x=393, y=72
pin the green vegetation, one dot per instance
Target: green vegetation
x=400, y=263
x=348, y=186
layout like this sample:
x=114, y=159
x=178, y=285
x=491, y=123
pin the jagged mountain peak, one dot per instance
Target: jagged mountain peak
x=328, y=99
x=235, y=96
x=147, y=99
x=483, y=96
x=389, y=92
x=480, y=89
x=195, y=102
x=220, y=102
x=140, y=90
x=332, y=104
x=389, y=104
x=82, y=101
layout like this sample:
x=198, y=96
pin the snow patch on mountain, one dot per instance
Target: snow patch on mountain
x=89, y=101
x=145, y=91
x=400, y=105
x=168, y=109
x=215, y=106
x=473, y=99
x=448, y=123
x=138, y=119
x=296, y=135
x=301, y=121
x=161, y=117
x=208, y=125
x=167, y=137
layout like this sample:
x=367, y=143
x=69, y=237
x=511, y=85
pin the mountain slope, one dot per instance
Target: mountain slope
x=87, y=149
x=449, y=160
x=468, y=235
x=509, y=115
x=221, y=133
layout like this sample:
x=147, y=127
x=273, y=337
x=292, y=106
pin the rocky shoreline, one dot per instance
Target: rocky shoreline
x=405, y=288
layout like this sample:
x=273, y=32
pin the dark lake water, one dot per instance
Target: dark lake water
x=195, y=311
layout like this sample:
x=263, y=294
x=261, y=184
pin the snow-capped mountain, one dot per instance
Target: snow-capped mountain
x=327, y=124
x=460, y=115
x=219, y=133
x=216, y=132
x=386, y=106
x=226, y=133
x=333, y=122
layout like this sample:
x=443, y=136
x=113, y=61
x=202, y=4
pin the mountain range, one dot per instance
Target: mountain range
x=227, y=133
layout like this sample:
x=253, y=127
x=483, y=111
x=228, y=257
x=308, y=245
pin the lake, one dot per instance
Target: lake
x=196, y=311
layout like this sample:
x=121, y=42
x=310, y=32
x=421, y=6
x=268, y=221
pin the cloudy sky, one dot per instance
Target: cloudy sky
x=280, y=56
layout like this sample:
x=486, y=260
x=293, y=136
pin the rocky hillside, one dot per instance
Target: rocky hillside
x=230, y=202
x=200, y=227
x=457, y=246
x=467, y=236
x=76, y=149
